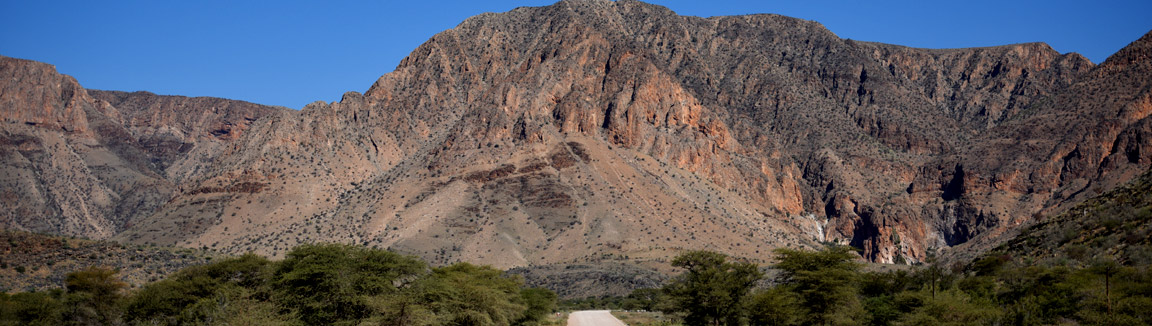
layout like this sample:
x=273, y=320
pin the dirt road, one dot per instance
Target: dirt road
x=593, y=318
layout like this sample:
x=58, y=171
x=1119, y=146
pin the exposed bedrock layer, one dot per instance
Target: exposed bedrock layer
x=592, y=132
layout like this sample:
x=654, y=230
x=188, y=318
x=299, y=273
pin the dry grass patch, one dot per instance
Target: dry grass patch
x=645, y=318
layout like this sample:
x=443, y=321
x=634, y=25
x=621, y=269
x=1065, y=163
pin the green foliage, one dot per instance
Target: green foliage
x=326, y=284
x=199, y=294
x=94, y=296
x=590, y=303
x=399, y=310
x=539, y=302
x=644, y=299
x=777, y=306
x=32, y=308
x=377, y=287
x=711, y=290
x=825, y=281
x=314, y=285
x=953, y=308
x=234, y=305
x=826, y=287
x=465, y=294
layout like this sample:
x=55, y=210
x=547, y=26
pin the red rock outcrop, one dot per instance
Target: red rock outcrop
x=74, y=164
x=594, y=131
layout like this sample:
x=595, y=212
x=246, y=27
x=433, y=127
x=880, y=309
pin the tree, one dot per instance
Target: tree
x=775, y=307
x=94, y=296
x=644, y=299
x=712, y=290
x=539, y=302
x=933, y=273
x=328, y=283
x=824, y=280
x=403, y=309
x=31, y=308
x=953, y=308
x=194, y=294
x=469, y=295
x=1106, y=268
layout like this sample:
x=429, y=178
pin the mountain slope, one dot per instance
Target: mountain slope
x=599, y=131
x=1116, y=224
x=37, y=262
x=75, y=164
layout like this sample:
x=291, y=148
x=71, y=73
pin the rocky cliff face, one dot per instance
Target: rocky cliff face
x=167, y=127
x=75, y=164
x=594, y=131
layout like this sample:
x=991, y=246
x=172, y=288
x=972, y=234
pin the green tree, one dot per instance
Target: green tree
x=888, y=295
x=644, y=299
x=933, y=273
x=94, y=297
x=32, y=308
x=539, y=303
x=775, y=307
x=469, y=295
x=196, y=294
x=712, y=290
x=825, y=281
x=328, y=283
x=234, y=305
x=1106, y=268
x=953, y=308
x=403, y=309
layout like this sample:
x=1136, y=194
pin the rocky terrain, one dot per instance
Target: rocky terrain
x=89, y=163
x=604, y=278
x=592, y=133
x=1116, y=225
x=30, y=261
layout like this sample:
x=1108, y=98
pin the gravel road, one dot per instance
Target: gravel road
x=593, y=318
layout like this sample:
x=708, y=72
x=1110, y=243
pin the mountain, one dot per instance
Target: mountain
x=600, y=132
x=87, y=163
x=1116, y=225
x=37, y=262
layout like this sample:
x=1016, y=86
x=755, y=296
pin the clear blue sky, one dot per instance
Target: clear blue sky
x=291, y=53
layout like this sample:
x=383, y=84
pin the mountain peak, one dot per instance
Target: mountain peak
x=1137, y=52
x=57, y=103
x=596, y=132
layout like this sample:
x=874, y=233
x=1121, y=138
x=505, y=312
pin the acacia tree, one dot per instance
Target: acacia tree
x=94, y=296
x=466, y=294
x=328, y=283
x=824, y=280
x=711, y=291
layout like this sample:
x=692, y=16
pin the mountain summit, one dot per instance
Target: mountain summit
x=596, y=131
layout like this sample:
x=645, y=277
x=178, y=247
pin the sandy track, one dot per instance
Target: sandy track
x=593, y=318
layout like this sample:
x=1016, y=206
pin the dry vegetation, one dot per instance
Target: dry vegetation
x=622, y=134
x=30, y=261
x=645, y=318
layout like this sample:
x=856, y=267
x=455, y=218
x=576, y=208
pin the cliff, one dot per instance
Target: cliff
x=598, y=132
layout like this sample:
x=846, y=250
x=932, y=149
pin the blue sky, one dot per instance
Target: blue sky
x=291, y=53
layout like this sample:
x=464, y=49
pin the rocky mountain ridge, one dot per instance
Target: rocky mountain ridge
x=87, y=163
x=602, y=132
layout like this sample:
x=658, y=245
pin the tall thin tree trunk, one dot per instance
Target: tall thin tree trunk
x=1108, y=293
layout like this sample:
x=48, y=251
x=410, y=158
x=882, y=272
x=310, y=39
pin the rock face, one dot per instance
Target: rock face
x=75, y=164
x=598, y=131
x=167, y=127
x=1115, y=224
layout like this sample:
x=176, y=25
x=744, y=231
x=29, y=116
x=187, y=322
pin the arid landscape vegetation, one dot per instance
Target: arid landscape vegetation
x=582, y=153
